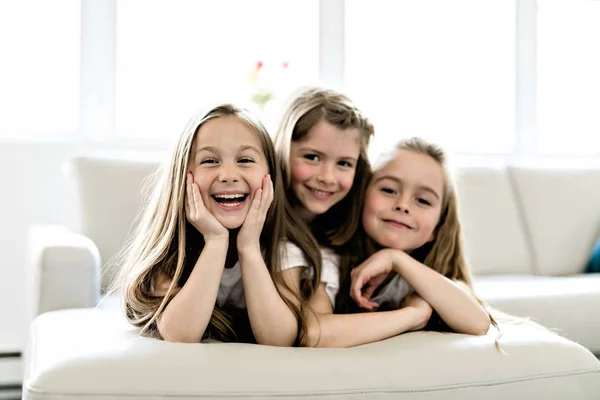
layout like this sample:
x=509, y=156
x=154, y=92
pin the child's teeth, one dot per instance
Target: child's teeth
x=231, y=204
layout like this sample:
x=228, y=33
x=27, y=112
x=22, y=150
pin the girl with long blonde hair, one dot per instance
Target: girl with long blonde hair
x=207, y=258
x=406, y=260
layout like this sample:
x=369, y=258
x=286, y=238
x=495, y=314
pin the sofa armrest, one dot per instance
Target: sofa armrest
x=64, y=270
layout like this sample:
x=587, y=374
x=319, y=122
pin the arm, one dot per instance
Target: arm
x=326, y=329
x=187, y=315
x=273, y=322
x=453, y=301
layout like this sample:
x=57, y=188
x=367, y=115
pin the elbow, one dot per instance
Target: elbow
x=179, y=339
x=277, y=342
x=315, y=337
x=480, y=328
x=276, y=337
x=170, y=335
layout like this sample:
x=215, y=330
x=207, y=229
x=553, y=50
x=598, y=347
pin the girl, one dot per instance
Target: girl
x=205, y=261
x=410, y=236
x=321, y=144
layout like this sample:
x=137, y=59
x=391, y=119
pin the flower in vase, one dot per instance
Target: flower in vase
x=265, y=81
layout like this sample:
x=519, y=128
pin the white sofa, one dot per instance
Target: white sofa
x=528, y=232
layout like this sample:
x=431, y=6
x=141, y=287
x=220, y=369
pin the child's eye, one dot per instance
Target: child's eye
x=345, y=164
x=423, y=201
x=209, y=161
x=245, y=160
x=311, y=157
x=388, y=190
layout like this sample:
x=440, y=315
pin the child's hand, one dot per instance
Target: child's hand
x=368, y=276
x=249, y=234
x=199, y=216
x=423, y=307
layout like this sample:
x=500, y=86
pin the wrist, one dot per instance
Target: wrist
x=247, y=253
x=217, y=241
x=397, y=258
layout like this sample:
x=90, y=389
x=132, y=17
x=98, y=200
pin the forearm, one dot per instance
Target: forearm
x=453, y=302
x=347, y=330
x=187, y=315
x=273, y=322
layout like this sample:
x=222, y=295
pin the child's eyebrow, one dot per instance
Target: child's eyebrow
x=249, y=147
x=319, y=153
x=207, y=148
x=311, y=150
x=215, y=150
x=399, y=181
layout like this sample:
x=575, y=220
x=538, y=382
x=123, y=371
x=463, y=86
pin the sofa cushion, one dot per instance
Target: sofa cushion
x=495, y=241
x=562, y=210
x=94, y=354
x=569, y=305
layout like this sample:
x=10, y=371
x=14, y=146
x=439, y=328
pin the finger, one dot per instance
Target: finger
x=370, y=306
x=267, y=195
x=368, y=292
x=356, y=291
x=198, y=203
x=270, y=189
x=255, y=206
x=190, y=208
x=366, y=297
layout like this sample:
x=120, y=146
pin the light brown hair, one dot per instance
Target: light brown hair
x=307, y=108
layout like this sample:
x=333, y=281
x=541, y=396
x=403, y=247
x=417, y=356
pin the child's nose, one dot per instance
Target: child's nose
x=228, y=173
x=326, y=175
x=402, y=205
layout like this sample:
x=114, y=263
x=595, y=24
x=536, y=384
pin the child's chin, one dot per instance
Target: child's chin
x=388, y=242
x=232, y=223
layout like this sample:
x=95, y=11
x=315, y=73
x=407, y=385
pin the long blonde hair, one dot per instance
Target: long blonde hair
x=308, y=107
x=165, y=243
x=445, y=254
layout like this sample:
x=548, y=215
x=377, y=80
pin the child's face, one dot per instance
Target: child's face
x=228, y=164
x=403, y=201
x=322, y=165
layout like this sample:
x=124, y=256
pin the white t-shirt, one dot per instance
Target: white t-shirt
x=329, y=271
x=392, y=294
x=231, y=288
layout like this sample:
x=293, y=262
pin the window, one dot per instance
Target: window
x=568, y=76
x=444, y=70
x=173, y=56
x=39, y=71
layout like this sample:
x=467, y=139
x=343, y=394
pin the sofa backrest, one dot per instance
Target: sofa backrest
x=109, y=196
x=516, y=220
x=561, y=209
x=494, y=236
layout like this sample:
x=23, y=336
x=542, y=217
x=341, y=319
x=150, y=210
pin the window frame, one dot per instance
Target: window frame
x=97, y=112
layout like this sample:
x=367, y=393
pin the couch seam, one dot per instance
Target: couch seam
x=431, y=389
x=523, y=220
